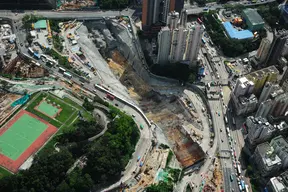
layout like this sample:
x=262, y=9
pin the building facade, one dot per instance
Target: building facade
x=164, y=43
x=263, y=50
x=276, y=48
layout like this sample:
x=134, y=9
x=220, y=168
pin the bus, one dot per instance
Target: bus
x=30, y=50
x=238, y=169
x=62, y=70
x=199, y=20
x=203, y=41
x=68, y=75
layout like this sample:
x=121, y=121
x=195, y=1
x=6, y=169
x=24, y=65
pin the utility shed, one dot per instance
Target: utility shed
x=253, y=20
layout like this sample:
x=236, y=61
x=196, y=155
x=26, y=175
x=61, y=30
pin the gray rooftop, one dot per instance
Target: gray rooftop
x=253, y=16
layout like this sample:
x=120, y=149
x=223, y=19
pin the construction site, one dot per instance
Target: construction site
x=75, y=4
x=24, y=68
x=148, y=173
x=6, y=99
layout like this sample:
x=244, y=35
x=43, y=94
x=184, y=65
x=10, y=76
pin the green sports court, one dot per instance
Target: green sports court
x=20, y=135
x=47, y=109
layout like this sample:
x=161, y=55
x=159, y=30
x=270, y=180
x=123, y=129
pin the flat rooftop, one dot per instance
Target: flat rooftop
x=235, y=34
x=253, y=16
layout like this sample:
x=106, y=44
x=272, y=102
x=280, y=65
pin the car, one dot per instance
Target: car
x=220, y=130
x=133, y=115
x=116, y=104
x=21, y=44
x=222, y=140
x=235, y=141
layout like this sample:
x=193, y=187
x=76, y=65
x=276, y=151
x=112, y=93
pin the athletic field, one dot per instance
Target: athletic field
x=48, y=109
x=21, y=137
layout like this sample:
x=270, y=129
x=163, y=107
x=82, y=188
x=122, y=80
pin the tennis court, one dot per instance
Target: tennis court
x=20, y=135
x=48, y=109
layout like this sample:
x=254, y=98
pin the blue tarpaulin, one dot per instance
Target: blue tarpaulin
x=21, y=101
x=235, y=34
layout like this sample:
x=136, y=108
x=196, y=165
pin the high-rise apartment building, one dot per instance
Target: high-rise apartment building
x=280, y=106
x=176, y=5
x=185, y=40
x=260, y=77
x=154, y=11
x=243, y=87
x=150, y=13
x=276, y=48
x=164, y=44
x=263, y=50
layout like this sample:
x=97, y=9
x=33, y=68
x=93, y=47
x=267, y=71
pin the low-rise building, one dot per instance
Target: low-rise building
x=268, y=162
x=252, y=19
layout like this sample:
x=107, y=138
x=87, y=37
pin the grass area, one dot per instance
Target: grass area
x=4, y=173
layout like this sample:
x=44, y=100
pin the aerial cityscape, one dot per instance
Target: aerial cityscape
x=143, y=95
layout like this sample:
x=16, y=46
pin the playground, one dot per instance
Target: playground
x=21, y=137
x=48, y=108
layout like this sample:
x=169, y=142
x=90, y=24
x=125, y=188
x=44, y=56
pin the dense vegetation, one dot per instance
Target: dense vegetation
x=230, y=47
x=160, y=187
x=106, y=158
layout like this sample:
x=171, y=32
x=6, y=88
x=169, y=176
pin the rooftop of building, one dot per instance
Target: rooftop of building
x=277, y=184
x=41, y=24
x=263, y=72
x=260, y=122
x=284, y=177
x=268, y=155
x=247, y=99
x=281, y=126
x=281, y=142
x=235, y=34
x=253, y=16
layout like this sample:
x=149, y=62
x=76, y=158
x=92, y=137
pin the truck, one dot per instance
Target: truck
x=109, y=96
x=68, y=75
x=228, y=130
x=238, y=169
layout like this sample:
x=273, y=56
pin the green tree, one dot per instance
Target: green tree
x=160, y=187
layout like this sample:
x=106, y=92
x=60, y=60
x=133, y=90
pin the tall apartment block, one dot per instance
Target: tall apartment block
x=276, y=48
x=154, y=11
x=164, y=44
x=176, y=5
x=267, y=90
x=260, y=77
x=268, y=162
x=184, y=43
x=263, y=50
